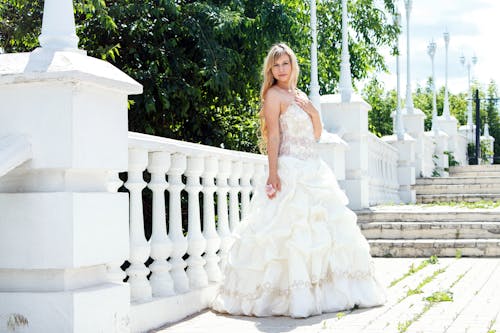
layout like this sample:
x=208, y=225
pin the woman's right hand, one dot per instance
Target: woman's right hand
x=273, y=186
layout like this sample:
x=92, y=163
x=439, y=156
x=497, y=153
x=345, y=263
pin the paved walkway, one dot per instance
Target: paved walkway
x=463, y=295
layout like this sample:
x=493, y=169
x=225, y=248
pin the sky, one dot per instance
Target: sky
x=474, y=28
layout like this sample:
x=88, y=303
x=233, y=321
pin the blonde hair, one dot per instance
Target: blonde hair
x=276, y=51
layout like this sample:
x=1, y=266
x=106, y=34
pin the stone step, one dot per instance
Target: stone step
x=438, y=247
x=484, y=188
x=414, y=213
x=430, y=198
x=476, y=168
x=457, y=180
x=476, y=174
x=431, y=230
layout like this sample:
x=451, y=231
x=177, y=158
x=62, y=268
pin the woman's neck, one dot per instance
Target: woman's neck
x=284, y=86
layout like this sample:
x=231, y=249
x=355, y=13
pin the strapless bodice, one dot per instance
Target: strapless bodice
x=297, y=134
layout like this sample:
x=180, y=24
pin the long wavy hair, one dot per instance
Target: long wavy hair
x=276, y=51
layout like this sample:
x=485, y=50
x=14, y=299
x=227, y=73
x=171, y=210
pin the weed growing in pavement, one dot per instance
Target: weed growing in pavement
x=418, y=289
x=412, y=270
x=436, y=297
x=492, y=322
x=481, y=204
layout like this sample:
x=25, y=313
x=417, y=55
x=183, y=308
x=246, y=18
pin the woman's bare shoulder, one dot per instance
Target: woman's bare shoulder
x=277, y=95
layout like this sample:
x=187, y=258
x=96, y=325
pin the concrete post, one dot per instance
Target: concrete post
x=60, y=223
x=350, y=120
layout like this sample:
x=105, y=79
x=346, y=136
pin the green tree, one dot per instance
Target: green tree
x=493, y=118
x=383, y=104
x=200, y=61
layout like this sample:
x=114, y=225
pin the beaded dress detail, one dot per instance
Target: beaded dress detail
x=301, y=253
x=297, y=138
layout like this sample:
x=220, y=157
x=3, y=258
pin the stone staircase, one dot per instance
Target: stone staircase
x=446, y=231
x=467, y=183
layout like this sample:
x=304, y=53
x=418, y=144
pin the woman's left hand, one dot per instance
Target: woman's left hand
x=305, y=103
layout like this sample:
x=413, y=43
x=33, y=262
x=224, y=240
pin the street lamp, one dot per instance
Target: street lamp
x=446, y=104
x=314, y=93
x=398, y=120
x=467, y=63
x=431, y=50
x=409, y=99
x=345, y=83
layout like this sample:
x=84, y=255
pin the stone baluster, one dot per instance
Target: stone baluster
x=140, y=289
x=246, y=188
x=222, y=211
x=209, y=231
x=196, y=242
x=114, y=271
x=234, y=189
x=258, y=178
x=161, y=246
x=179, y=242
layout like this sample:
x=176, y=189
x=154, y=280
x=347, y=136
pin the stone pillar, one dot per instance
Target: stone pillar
x=440, y=158
x=332, y=150
x=414, y=125
x=406, y=166
x=61, y=222
x=350, y=120
x=487, y=140
x=449, y=126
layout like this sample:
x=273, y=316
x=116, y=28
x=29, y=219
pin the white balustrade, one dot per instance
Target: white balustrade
x=222, y=210
x=382, y=172
x=196, y=242
x=246, y=188
x=209, y=230
x=234, y=190
x=179, y=241
x=140, y=289
x=161, y=246
x=428, y=156
x=188, y=261
x=259, y=174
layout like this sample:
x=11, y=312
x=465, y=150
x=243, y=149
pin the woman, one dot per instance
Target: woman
x=299, y=252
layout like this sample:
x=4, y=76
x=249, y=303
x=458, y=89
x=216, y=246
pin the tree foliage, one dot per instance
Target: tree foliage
x=383, y=105
x=200, y=61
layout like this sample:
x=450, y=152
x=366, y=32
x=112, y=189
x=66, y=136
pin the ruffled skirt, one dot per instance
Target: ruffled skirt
x=301, y=253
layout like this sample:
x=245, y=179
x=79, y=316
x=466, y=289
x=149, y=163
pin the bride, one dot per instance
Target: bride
x=299, y=252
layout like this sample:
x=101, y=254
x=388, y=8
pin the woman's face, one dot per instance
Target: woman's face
x=282, y=68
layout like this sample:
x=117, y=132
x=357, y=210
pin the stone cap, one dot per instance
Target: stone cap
x=45, y=65
x=337, y=98
x=394, y=138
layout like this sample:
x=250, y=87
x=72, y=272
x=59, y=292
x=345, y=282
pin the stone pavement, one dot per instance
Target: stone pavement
x=463, y=296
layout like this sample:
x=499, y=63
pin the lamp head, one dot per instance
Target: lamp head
x=462, y=59
x=431, y=49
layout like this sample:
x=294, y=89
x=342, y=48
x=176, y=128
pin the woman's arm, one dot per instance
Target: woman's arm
x=272, y=113
x=305, y=103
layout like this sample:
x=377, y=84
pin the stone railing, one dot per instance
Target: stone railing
x=197, y=223
x=382, y=171
x=428, y=158
x=460, y=149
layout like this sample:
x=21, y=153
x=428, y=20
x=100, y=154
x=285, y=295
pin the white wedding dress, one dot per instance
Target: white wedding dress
x=301, y=253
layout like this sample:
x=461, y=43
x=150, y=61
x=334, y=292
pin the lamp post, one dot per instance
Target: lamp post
x=314, y=93
x=409, y=99
x=431, y=50
x=446, y=104
x=345, y=83
x=398, y=121
x=467, y=63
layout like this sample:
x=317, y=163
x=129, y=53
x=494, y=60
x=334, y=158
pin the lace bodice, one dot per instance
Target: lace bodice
x=297, y=134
